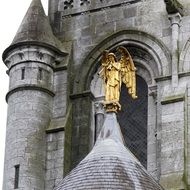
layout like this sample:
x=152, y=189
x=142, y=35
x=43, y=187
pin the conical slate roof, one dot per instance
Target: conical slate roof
x=110, y=165
x=35, y=29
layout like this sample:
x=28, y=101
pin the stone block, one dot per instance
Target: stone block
x=55, y=154
x=124, y=24
x=86, y=41
x=172, y=161
x=105, y=28
x=50, y=184
x=166, y=32
x=86, y=32
x=130, y=12
x=50, y=164
x=72, y=35
x=52, y=146
x=57, y=112
x=99, y=17
x=172, y=118
x=59, y=163
x=114, y=15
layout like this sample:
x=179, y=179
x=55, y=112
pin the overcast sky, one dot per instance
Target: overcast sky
x=11, y=15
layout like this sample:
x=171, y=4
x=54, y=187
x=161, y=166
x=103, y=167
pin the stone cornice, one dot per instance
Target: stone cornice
x=82, y=95
x=29, y=61
x=30, y=43
x=62, y=68
x=184, y=74
x=163, y=78
x=169, y=77
x=55, y=130
x=29, y=87
x=73, y=12
x=173, y=99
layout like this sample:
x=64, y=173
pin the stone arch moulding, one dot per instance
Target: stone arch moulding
x=138, y=39
x=184, y=65
x=152, y=60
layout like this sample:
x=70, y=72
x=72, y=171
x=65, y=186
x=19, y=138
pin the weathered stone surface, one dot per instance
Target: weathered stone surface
x=144, y=28
x=81, y=114
x=26, y=138
x=55, y=159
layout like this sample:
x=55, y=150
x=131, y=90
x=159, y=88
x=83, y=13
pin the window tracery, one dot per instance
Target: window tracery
x=68, y=4
x=85, y=2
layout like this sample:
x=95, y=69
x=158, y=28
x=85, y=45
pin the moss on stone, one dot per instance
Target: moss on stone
x=173, y=181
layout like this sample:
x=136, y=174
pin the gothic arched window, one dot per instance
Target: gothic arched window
x=133, y=120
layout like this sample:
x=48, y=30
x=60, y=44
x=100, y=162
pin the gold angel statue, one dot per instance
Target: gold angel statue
x=114, y=73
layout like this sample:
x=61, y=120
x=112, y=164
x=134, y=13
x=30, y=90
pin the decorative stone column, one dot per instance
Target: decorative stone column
x=175, y=24
x=154, y=130
x=99, y=118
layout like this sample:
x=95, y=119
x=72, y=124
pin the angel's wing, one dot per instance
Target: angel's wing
x=128, y=71
x=104, y=63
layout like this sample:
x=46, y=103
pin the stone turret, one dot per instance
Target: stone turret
x=30, y=60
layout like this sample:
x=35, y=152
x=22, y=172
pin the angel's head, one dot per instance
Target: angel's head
x=112, y=57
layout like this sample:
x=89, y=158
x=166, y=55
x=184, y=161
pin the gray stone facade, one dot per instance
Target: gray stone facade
x=52, y=92
x=54, y=159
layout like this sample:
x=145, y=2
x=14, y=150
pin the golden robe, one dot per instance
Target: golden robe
x=113, y=81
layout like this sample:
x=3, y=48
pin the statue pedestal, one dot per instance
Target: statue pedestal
x=112, y=106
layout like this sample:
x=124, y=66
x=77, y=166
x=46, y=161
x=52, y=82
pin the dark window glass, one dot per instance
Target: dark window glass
x=23, y=74
x=16, y=182
x=133, y=120
x=40, y=73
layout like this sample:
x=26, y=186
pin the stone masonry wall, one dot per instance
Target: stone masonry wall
x=87, y=26
x=60, y=89
x=28, y=115
x=172, y=145
x=87, y=23
x=55, y=159
x=55, y=132
x=30, y=104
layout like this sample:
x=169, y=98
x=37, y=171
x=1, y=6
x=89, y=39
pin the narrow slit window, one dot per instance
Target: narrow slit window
x=16, y=181
x=95, y=130
x=23, y=74
x=40, y=73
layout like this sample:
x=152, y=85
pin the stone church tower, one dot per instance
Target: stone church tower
x=55, y=96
